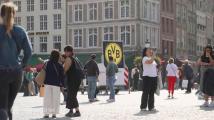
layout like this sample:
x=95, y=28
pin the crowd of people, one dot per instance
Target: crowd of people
x=64, y=73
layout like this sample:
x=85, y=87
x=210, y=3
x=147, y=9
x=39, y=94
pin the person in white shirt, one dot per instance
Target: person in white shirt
x=149, y=80
x=172, y=71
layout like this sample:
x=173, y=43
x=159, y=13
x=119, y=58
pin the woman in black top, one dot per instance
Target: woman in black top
x=73, y=83
x=206, y=63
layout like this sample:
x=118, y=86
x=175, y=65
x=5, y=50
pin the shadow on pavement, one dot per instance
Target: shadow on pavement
x=85, y=103
x=38, y=107
x=62, y=118
x=145, y=113
x=104, y=103
x=207, y=108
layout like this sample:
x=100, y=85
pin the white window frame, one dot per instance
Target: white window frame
x=126, y=6
x=57, y=21
x=78, y=10
x=32, y=41
x=94, y=9
x=105, y=8
x=30, y=5
x=93, y=34
x=57, y=4
x=43, y=5
x=125, y=32
x=57, y=39
x=78, y=35
x=43, y=40
x=30, y=23
x=19, y=5
x=108, y=33
x=18, y=20
x=43, y=22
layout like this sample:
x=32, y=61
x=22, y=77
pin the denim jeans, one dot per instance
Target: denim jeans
x=10, y=83
x=92, y=80
x=110, y=82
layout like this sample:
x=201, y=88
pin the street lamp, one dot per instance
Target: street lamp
x=147, y=44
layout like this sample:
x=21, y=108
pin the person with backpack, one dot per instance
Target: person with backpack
x=74, y=73
x=13, y=40
x=188, y=74
x=92, y=71
x=111, y=70
x=172, y=71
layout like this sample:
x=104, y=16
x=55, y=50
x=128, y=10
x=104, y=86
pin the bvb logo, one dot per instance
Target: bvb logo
x=114, y=50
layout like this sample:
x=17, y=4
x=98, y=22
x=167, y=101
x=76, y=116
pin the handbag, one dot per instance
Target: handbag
x=184, y=83
x=40, y=78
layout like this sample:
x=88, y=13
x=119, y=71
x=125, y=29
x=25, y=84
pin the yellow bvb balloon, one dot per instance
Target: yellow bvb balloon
x=114, y=50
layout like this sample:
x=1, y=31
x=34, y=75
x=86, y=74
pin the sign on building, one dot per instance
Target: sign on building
x=114, y=49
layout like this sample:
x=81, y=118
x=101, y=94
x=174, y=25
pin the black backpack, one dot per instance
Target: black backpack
x=79, y=69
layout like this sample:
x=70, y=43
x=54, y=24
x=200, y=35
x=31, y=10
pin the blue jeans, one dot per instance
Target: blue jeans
x=110, y=82
x=92, y=81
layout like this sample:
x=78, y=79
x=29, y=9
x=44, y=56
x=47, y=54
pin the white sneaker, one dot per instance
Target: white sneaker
x=206, y=104
x=211, y=104
x=111, y=100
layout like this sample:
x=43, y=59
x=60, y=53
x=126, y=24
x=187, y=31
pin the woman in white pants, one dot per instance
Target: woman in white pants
x=53, y=82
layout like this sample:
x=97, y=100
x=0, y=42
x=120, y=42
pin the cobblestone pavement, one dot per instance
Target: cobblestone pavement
x=126, y=107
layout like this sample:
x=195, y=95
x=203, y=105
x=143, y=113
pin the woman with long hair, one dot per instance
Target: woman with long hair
x=172, y=71
x=149, y=80
x=73, y=83
x=13, y=39
x=53, y=82
x=206, y=63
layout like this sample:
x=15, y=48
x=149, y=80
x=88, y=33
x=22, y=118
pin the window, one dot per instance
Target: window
x=153, y=11
x=30, y=5
x=108, y=10
x=57, y=21
x=30, y=23
x=92, y=42
x=78, y=38
x=18, y=4
x=125, y=35
x=163, y=4
x=17, y=20
x=32, y=43
x=57, y=40
x=108, y=34
x=167, y=25
x=43, y=43
x=213, y=24
x=92, y=11
x=145, y=8
x=43, y=22
x=57, y=4
x=124, y=4
x=43, y=5
x=163, y=24
x=167, y=5
x=146, y=33
x=78, y=11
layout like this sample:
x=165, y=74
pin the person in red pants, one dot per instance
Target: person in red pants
x=172, y=70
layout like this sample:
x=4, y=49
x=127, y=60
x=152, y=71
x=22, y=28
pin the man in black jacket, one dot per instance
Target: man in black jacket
x=92, y=71
x=188, y=74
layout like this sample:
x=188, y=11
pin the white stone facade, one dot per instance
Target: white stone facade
x=112, y=20
x=45, y=23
